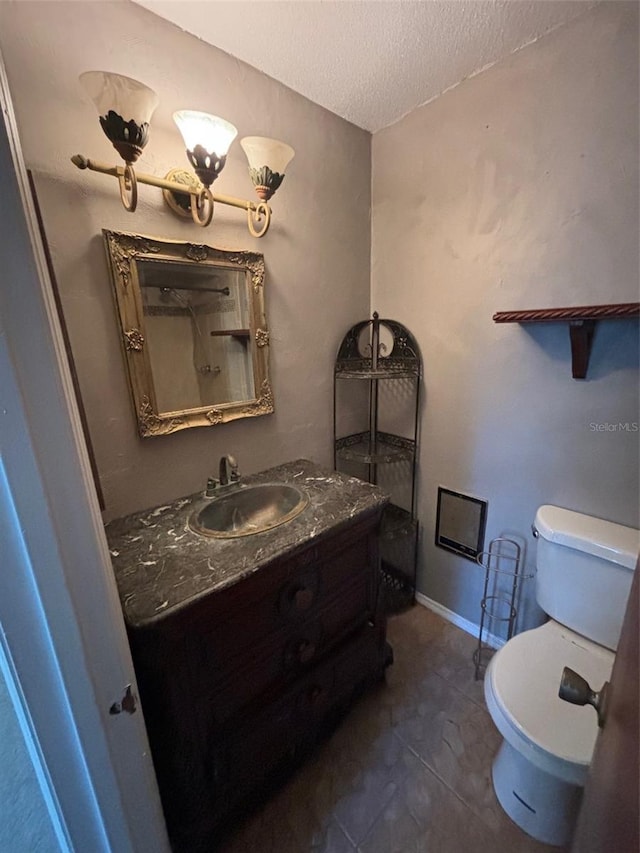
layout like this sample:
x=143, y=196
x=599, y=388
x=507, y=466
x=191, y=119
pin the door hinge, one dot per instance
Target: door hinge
x=128, y=703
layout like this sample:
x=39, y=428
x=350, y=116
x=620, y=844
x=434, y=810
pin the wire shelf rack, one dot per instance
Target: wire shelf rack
x=503, y=558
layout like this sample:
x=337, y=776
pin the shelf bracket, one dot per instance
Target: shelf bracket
x=581, y=335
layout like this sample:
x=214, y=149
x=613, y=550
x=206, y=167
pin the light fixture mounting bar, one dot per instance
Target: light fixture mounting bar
x=253, y=210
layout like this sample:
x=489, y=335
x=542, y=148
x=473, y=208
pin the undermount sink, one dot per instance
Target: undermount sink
x=246, y=510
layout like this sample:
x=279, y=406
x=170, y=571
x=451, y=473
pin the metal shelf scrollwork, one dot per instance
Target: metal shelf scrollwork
x=378, y=352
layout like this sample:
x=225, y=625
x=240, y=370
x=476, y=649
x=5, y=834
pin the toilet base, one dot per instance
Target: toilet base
x=544, y=806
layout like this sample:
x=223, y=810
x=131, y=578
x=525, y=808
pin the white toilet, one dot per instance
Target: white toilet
x=584, y=572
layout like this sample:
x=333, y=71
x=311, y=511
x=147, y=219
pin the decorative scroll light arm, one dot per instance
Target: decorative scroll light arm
x=258, y=213
x=202, y=207
x=202, y=199
x=128, y=187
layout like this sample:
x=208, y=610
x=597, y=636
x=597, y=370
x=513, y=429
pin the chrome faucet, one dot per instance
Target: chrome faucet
x=227, y=476
x=228, y=470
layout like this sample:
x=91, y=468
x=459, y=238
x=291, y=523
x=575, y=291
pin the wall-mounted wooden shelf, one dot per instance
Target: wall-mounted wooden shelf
x=235, y=333
x=582, y=322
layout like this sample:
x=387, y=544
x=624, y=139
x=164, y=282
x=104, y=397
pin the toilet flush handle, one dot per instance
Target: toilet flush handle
x=575, y=689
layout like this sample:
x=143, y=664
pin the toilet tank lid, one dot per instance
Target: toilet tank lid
x=605, y=539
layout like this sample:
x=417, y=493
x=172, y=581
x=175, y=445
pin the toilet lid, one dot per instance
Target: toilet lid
x=525, y=676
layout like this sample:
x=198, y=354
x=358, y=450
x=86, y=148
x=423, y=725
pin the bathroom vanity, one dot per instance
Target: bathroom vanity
x=247, y=650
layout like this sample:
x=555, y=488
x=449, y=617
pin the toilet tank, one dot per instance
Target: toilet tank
x=585, y=567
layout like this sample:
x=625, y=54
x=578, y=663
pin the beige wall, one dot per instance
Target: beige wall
x=518, y=189
x=317, y=252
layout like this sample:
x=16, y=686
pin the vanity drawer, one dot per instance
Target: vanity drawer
x=285, y=596
x=238, y=679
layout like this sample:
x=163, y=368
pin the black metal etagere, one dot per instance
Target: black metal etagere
x=375, y=427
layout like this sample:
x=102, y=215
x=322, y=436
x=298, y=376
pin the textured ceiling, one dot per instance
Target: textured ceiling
x=372, y=61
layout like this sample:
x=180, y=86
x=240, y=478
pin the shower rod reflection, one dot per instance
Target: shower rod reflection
x=165, y=289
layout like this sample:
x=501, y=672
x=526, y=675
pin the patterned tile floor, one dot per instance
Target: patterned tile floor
x=407, y=771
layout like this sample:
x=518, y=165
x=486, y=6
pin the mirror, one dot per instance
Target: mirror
x=193, y=330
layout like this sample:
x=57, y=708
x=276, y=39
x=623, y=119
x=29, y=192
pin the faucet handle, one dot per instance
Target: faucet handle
x=212, y=485
x=234, y=474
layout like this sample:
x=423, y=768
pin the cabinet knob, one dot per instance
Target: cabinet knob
x=305, y=651
x=299, y=593
x=302, y=598
x=316, y=694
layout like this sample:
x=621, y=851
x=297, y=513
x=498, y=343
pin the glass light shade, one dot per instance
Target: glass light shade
x=268, y=159
x=125, y=96
x=262, y=151
x=125, y=107
x=214, y=134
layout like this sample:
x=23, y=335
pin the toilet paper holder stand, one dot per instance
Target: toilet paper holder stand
x=502, y=564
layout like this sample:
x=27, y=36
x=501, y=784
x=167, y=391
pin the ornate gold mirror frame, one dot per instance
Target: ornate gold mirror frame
x=193, y=331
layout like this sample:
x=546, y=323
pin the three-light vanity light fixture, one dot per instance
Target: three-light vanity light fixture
x=125, y=107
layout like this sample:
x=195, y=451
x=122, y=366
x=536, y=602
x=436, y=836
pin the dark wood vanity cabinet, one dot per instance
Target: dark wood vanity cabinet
x=237, y=686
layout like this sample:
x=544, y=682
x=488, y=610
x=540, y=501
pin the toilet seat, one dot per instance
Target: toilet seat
x=521, y=691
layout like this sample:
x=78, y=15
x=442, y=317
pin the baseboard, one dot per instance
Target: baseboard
x=458, y=621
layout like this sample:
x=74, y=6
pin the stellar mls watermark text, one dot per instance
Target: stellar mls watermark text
x=618, y=427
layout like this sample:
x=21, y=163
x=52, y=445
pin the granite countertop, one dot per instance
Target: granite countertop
x=161, y=565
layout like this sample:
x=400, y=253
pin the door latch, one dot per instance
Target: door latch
x=575, y=689
x=128, y=703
